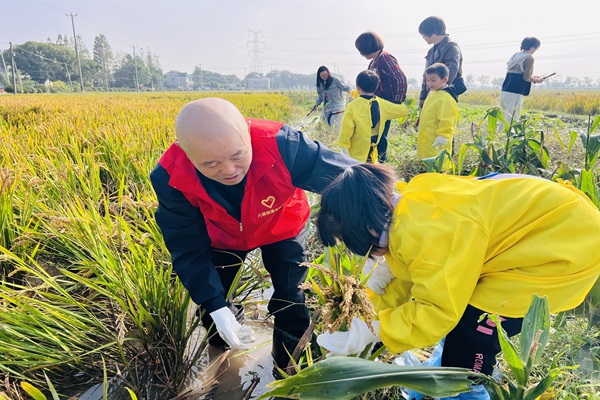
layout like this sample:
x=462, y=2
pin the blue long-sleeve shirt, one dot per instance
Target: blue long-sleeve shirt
x=312, y=167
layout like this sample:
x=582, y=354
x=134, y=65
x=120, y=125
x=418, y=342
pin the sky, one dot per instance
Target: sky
x=240, y=36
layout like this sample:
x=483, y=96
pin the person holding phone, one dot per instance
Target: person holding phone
x=519, y=77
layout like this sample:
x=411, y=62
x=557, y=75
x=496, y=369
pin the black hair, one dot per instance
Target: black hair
x=432, y=26
x=530, y=42
x=439, y=69
x=356, y=207
x=368, y=42
x=321, y=82
x=367, y=81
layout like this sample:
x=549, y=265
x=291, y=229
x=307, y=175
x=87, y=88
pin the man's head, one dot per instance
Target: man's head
x=436, y=76
x=215, y=137
x=530, y=43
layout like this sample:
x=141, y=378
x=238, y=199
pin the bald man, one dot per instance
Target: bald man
x=227, y=186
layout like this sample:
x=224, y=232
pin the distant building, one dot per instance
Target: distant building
x=258, y=84
x=178, y=80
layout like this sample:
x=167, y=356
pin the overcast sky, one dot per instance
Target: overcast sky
x=299, y=36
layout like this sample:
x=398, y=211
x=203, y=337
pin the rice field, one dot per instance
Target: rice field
x=86, y=285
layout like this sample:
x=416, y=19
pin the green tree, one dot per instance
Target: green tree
x=84, y=53
x=156, y=73
x=208, y=80
x=103, y=55
x=124, y=76
x=43, y=61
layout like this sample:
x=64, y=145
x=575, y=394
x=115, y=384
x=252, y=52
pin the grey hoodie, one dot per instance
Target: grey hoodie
x=516, y=63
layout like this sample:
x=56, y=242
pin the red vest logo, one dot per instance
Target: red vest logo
x=268, y=202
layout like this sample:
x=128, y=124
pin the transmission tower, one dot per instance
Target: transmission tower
x=256, y=65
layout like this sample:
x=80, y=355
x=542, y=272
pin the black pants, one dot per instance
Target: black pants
x=474, y=345
x=282, y=261
x=383, y=143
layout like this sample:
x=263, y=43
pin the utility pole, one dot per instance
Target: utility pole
x=137, y=83
x=76, y=50
x=68, y=75
x=13, y=69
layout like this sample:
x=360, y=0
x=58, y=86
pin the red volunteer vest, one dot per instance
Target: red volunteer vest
x=272, y=208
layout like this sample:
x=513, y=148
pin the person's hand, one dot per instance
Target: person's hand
x=439, y=142
x=230, y=330
x=351, y=342
x=381, y=274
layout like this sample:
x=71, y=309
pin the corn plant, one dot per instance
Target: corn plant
x=521, y=151
x=347, y=378
x=533, y=341
x=585, y=179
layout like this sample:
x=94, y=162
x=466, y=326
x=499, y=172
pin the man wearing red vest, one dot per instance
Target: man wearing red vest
x=229, y=185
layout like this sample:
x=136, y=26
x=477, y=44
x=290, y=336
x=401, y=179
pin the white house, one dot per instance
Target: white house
x=177, y=80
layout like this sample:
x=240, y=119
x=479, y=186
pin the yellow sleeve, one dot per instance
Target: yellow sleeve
x=444, y=257
x=447, y=117
x=392, y=110
x=396, y=292
x=347, y=131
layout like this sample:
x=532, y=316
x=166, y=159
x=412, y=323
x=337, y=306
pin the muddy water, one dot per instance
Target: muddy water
x=239, y=374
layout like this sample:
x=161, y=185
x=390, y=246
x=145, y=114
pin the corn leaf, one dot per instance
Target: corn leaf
x=510, y=353
x=536, y=320
x=344, y=378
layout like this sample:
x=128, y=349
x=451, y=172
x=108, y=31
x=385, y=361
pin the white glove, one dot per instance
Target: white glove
x=381, y=275
x=345, y=151
x=439, y=142
x=231, y=331
x=354, y=341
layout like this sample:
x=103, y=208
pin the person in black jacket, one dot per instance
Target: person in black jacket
x=445, y=51
x=229, y=185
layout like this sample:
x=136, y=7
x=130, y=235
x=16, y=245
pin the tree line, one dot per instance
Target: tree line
x=53, y=66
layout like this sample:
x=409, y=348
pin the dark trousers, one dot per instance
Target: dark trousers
x=383, y=143
x=474, y=345
x=282, y=260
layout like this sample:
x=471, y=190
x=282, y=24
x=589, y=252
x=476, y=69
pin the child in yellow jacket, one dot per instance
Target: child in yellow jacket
x=439, y=114
x=364, y=119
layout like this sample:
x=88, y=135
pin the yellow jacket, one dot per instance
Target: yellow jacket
x=489, y=243
x=356, y=125
x=438, y=118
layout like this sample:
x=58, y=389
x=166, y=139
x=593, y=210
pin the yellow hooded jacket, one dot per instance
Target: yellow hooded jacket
x=356, y=129
x=456, y=241
x=438, y=118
